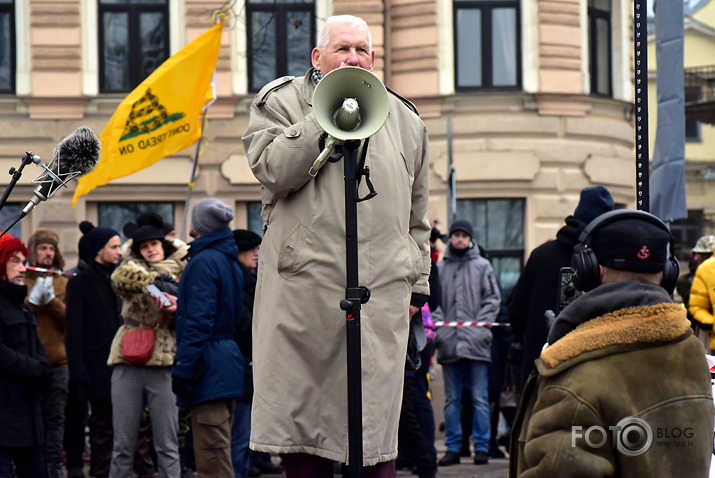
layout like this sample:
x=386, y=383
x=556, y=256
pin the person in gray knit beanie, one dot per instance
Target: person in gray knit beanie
x=210, y=214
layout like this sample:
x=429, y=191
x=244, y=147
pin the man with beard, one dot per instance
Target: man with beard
x=46, y=297
x=93, y=317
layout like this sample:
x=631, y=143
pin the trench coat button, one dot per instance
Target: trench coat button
x=293, y=133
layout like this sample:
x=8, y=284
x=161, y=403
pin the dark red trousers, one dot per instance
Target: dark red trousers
x=300, y=465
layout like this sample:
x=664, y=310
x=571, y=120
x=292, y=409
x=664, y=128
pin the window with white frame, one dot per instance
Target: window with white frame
x=499, y=229
x=599, y=47
x=487, y=39
x=7, y=46
x=9, y=214
x=117, y=214
x=281, y=35
x=133, y=42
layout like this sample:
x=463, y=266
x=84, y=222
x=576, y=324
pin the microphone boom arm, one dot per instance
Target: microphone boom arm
x=17, y=173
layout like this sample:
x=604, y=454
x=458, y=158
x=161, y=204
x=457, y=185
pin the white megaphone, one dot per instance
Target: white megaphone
x=349, y=103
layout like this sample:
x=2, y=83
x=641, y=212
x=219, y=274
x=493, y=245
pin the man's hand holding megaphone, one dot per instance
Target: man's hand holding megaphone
x=350, y=103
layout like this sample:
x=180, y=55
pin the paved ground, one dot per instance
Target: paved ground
x=496, y=468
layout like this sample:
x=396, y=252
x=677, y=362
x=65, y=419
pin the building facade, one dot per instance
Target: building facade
x=528, y=101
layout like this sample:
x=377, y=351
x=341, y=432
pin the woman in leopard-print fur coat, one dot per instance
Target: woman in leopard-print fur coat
x=148, y=259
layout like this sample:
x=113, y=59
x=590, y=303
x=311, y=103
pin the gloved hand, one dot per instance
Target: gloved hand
x=37, y=292
x=42, y=292
x=181, y=386
x=337, y=148
x=49, y=291
x=321, y=140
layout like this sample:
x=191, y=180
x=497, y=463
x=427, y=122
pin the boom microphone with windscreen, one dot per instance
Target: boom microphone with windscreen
x=76, y=155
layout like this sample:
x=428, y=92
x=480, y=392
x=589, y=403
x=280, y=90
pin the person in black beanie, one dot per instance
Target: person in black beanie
x=470, y=293
x=76, y=410
x=93, y=316
x=537, y=289
x=245, y=461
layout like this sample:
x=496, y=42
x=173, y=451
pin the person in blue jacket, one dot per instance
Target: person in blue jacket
x=207, y=375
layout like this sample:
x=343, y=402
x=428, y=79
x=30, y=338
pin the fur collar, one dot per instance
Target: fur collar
x=629, y=326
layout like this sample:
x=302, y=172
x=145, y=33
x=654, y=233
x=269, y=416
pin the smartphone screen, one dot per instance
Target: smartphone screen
x=154, y=290
x=567, y=292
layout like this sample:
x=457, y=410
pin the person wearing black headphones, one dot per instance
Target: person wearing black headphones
x=622, y=387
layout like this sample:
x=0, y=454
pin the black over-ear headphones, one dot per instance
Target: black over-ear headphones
x=586, y=273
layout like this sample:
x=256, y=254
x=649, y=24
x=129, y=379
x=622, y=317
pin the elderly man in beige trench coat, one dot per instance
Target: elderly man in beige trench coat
x=300, y=399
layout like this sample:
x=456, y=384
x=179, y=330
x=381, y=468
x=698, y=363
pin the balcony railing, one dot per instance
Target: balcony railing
x=699, y=83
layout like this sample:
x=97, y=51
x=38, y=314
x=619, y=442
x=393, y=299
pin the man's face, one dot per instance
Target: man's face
x=193, y=233
x=111, y=252
x=348, y=46
x=699, y=257
x=249, y=258
x=44, y=255
x=15, y=269
x=460, y=239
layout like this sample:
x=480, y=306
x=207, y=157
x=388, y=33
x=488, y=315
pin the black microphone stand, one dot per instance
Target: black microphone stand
x=16, y=174
x=355, y=296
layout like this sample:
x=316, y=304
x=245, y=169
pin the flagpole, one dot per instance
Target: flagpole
x=191, y=181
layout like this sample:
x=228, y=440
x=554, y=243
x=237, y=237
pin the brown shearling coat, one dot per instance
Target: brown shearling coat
x=639, y=362
x=300, y=398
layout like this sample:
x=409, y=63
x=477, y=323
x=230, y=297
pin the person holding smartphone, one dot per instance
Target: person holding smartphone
x=150, y=261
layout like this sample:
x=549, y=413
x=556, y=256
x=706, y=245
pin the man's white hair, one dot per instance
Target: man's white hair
x=349, y=20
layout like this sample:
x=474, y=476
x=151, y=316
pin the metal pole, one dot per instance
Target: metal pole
x=451, y=178
x=640, y=36
x=191, y=181
x=354, y=297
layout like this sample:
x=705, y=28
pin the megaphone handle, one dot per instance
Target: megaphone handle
x=320, y=160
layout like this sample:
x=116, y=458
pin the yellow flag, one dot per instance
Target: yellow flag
x=161, y=116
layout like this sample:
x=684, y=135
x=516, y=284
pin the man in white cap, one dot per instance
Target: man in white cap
x=207, y=375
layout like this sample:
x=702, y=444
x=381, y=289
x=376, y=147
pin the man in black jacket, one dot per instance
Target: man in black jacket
x=538, y=287
x=25, y=370
x=246, y=462
x=92, y=319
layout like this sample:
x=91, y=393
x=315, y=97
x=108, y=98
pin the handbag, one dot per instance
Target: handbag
x=509, y=395
x=138, y=345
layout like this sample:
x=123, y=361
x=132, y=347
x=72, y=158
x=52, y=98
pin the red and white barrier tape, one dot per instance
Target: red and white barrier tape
x=472, y=324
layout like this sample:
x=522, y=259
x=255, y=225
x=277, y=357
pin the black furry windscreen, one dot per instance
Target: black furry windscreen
x=78, y=152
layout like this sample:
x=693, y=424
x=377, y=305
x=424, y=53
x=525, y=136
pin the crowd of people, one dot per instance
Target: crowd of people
x=182, y=357
x=72, y=355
